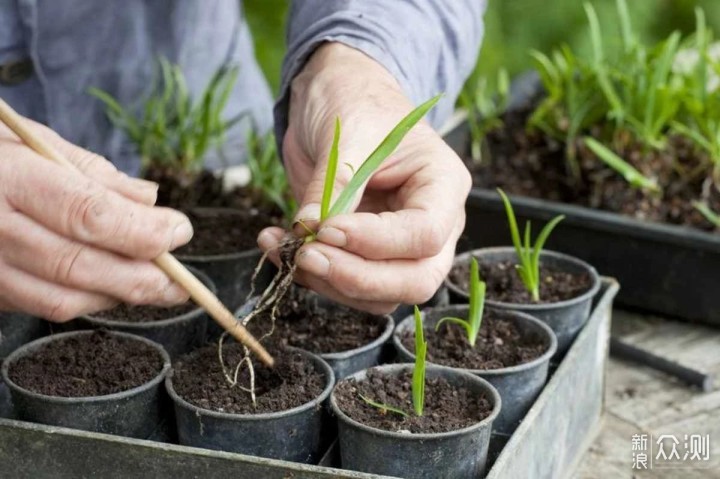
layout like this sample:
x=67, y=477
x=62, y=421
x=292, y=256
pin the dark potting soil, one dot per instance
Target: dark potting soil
x=499, y=345
x=95, y=364
x=224, y=232
x=294, y=381
x=144, y=314
x=447, y=408
x=504, y=283
x=304, y=324
x=529, y=163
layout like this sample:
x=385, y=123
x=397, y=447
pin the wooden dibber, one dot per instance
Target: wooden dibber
x=166, y=262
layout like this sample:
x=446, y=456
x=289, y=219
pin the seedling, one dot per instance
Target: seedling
x=631, y=175
x=477, y=304
x=175, y=131
x=418, y=378
x=267, y=174
x=484, y=109
x=709, y=214
x=528, y=254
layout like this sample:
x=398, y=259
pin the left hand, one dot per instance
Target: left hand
x=398, y=246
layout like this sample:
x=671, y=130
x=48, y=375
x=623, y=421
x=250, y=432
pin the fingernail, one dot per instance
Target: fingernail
x=175, y=294
x=313, y=262
x=266, y=240
x=182, y=234
x=332, y=236
x=309, y=212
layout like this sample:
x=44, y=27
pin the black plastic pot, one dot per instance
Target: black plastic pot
x=345, y=363
x=565, y=318
x=519, y=385
x=178, y=335
x=17, y=329
x=132, y=413
x=657, y=264
x=455, y=454
x=232, y=272
x=292, y=435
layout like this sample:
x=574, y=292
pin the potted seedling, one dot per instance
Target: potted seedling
x=347, y=339
x=17, y=329
x=511, y=350
x=224, y=402
x=553, y=287
x=415, y=421
x=173, y=135
x=179, y=329
x=99, y=381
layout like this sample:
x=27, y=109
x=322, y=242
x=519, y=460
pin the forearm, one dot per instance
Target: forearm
x=429, y=46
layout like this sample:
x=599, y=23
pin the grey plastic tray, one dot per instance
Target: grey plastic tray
x=547, y=444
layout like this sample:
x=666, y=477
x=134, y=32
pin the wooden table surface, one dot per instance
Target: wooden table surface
x=640, y=400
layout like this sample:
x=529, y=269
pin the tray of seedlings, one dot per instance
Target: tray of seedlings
x=625, y=145
x=489, y=387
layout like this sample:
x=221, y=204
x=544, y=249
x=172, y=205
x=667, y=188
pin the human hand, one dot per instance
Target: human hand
x=73, y=242
x=398, y=246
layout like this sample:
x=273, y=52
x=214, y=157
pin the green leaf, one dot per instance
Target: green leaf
x=477, y=302
x=512, y=223
x=383, y=407
x=418, y=384
x=537, y=249
x=373, y=162
x=709, y=214
x=330, y=173
x=631, y=175
x=451, y=319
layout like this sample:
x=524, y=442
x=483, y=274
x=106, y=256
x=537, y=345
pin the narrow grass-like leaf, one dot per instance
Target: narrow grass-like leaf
x=330, y=173
x=631, y=175
x=709, y=214
x=418, y=380
x=373, y=162
x=537, y=249
x=512, y=223
x=477, y=301
x=451, y=319
x=383, y=407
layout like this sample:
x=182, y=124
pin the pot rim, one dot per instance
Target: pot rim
x=320, y=364
x=587, y=295
x=207, y=258
x=441, y=370
x=339, y=355
x=34, y=345
x=517, y=315
x=149, y=325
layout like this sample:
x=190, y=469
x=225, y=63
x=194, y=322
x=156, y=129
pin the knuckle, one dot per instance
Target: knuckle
x=57, y=309
x=85, y=213
x=63, y=265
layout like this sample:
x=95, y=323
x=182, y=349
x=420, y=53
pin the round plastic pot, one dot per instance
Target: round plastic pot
x=455, y=454
x=17, y=329
x=345, y=363
x=132, y=413
x=518, y=385
x=292, y=435
x=231, y=272
x=565, y=318
x=178, y=335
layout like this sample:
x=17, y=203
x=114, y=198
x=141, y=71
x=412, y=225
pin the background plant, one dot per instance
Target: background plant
x=528, y=254
x=267, y=173
x=477, y=305
x=484, y=107
x=172, y=129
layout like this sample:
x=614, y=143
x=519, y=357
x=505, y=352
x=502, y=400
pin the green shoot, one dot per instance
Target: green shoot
x=418, y=379
x=268, y=174
x=372, y=163
x=477, y=304
x=484, y=109
x=331, y=172
x=528, y=255
x=707, y=213
x=418, y=384
x=173, y=130
x=631, y=175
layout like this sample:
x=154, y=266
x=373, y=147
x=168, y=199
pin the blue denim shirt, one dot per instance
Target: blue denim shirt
x=429, y=45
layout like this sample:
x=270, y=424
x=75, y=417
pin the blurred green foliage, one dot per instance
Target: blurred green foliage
x=513, y=27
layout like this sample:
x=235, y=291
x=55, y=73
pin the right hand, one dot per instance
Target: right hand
x=74, y=242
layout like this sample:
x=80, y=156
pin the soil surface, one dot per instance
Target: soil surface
x=304, y=324
x=96, y=364
x=446, y=408
x=499, y=345
x=294, y=381
x=144, y=314
x=504, y=283
x=529, y=163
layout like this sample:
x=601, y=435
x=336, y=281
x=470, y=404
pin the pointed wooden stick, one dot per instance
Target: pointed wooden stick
x=166, y=262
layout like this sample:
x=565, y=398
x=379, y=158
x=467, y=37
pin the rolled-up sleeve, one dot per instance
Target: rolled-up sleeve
x=430, y=46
